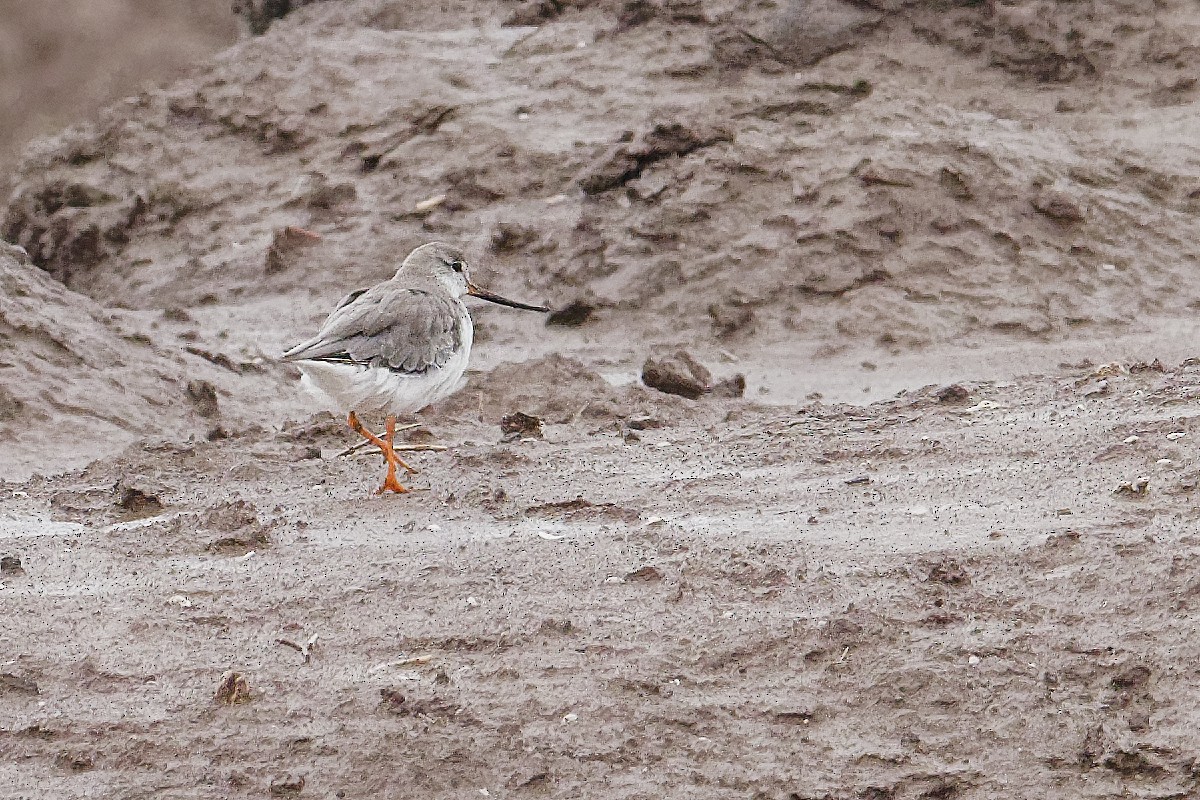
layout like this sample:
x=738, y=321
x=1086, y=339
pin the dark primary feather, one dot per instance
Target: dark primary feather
x=409, y=330
x=347, y=300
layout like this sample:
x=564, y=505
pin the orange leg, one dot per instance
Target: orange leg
x=390, y=482
x=390, y=438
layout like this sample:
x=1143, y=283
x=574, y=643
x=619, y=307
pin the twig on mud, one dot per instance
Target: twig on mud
x=303, y=649
x=359, y=446
x=842, y=657
x=399, y=448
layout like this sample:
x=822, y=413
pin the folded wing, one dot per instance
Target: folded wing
x=408, y=330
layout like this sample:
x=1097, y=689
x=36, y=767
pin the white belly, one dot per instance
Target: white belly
x=350, y=387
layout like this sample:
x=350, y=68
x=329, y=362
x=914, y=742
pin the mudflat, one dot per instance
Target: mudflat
x=935, y=543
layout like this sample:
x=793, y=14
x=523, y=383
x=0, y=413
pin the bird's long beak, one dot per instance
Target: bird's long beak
x=484, y=294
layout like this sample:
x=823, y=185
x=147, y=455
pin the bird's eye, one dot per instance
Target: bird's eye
x=456, y=265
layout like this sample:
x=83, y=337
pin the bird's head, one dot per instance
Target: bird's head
x=447, y=264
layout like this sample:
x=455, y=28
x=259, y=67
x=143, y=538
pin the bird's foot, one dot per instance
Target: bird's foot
x=391, y=484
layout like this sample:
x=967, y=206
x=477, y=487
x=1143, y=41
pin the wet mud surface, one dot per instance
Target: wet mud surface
x=856, y=461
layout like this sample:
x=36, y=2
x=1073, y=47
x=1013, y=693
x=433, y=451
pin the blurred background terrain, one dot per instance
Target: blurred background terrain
x=61, y=60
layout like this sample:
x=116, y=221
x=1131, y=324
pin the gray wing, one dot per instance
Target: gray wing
x=409, y=330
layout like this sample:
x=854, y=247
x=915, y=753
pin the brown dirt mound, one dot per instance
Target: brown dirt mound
x=825, y=199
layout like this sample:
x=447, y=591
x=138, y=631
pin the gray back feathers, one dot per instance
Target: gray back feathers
x=406, y=329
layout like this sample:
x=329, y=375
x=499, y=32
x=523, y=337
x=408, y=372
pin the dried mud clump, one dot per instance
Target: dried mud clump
x=679, y=374
x=67, y=227
x=233, y=689
x=804, y=32
x=138, y=501
x=572, y=315
x=731, y=317
x=286, y=246
x=520, y=425
x=239, y=522
x=626, y=161
x=953, y=394
x=259, y=14
x=1058, y=206
x=203, y=395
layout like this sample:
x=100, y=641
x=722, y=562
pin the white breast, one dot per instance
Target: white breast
x=350, y=387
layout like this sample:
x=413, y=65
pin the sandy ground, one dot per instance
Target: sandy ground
x=940, y=549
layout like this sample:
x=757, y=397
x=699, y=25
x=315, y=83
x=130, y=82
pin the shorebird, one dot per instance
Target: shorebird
x=397, y=347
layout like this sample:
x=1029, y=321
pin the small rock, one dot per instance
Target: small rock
x=285, y=244
x=509, y=236
x=324, y=196
x=429, y=204
x=1142, y=366
x=955, y=183
x=643, y=422
x=803, y=32
x=1139, y=488
x=634, y=13
x=873, y=175
x=233, y=689
x=646, y=574
x=11, y=565
x=627, y=159
x=1135, y=676
x=533, y=13
x=520, y=425
x=731, y=387
x=137, y=500
x=258, y=14
x=203, y=395
x=678, y=374
x=954, y=393
x=572, y=315
x=1058, y=206
x=287, y=786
